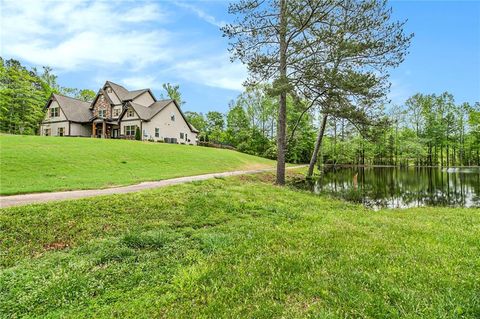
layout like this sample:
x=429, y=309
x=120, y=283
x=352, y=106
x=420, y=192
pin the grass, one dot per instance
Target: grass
x=237, y=248
x=42, y=164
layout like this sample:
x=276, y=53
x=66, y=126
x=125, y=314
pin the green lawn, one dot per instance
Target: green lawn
x=237, y=248
x=43, y=164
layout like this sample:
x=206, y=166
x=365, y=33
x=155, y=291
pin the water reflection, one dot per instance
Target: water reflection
x=392, y=187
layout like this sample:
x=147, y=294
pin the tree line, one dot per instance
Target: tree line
x=24, y=93
x=428, y=130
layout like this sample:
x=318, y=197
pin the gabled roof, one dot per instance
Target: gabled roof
x=146, y=113
x=124, y=94
x=105, y=95
x=75, y=110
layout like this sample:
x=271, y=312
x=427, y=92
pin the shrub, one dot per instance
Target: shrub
x=138, y=135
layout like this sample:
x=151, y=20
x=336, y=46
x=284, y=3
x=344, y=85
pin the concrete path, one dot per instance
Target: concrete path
x=25, y=199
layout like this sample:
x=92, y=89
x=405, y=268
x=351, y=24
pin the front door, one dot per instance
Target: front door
x=115, y=133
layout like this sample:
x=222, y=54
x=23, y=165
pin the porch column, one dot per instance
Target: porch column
x=93, y=129
x=104, y=129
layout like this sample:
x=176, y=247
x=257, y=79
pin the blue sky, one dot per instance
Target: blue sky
x=146, y=43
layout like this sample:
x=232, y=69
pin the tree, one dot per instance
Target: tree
x=238, y=125
x=360, y=45
x=215, y=126
x=198, y=121
x=22, y=98
x=269, y=37
x=173, y=92
x=138, y=134
x=86, y=95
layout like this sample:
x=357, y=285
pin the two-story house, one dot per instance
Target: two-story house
x=117, y=113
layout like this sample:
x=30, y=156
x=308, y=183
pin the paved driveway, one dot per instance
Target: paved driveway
x=25, y=199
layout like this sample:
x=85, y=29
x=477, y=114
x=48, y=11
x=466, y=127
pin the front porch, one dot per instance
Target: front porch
x=102, y=128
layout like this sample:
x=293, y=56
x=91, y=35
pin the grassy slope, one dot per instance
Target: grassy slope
x=237, y=247
x=42, y=164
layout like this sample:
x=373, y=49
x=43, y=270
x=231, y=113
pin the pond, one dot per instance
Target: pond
x=393, y=187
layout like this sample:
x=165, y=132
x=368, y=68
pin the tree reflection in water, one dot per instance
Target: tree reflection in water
x=393, y=187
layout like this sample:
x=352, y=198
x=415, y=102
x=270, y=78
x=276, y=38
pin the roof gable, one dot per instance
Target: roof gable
x=125, y=95
x=164, y=103
x=74, y=110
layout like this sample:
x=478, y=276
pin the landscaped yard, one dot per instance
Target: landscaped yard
x=237, y=248
x=42, y=164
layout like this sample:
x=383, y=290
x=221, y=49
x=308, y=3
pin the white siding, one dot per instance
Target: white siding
x=113, y=97
x=80, y=129
x=127, y=123
x=144, y=99
x=119, y=108
x=169, y=128
x=54, y=128
x=61, y=116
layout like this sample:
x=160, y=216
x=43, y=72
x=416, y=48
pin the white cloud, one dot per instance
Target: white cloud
x=125, y=40
x=201, y=14
x=215, y=71
x=71, y=34
x=141, y=82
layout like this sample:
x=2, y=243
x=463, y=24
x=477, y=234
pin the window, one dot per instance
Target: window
x=60, y=131
x=109, y=90
x=130, y=113
x=54, y=112
x=46, y=132
x=186, y=137
x=157, y=132
x=172, y=117
x=102, y=113
x=145, y=133
x=116, y=112
x=130, y=130
x=181, y=136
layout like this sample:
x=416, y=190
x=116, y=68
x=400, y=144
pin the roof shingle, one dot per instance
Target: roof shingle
x=75, y=110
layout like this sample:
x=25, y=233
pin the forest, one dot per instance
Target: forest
x=428, y=129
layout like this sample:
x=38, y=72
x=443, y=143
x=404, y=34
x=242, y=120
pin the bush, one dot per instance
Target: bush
x=138, y=135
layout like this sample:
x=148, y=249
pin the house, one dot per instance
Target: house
x=117, y=113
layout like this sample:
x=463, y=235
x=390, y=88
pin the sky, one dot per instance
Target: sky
x=142, y=44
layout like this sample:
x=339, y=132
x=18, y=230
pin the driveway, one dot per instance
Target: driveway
x=25, y=199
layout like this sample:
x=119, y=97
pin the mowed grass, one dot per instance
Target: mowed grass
x=42, y=164
x=237, y=248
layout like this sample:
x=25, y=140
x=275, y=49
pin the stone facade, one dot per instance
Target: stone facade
x=102, y=104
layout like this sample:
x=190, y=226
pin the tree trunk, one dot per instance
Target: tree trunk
x=318, y=144
x=282, y=108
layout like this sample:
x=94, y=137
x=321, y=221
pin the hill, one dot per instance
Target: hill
x=236, y=248
x=41, y=164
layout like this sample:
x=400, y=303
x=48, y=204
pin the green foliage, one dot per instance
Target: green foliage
x=173, y=92
x=24, y=94
x=236, y=248
x=138, y=134
x=26, y=162
x=428, y=130
x=86, y=95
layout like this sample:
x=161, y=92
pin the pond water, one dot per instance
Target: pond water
x=393, y=187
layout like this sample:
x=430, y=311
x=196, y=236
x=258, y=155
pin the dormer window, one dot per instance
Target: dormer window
x=54, y=112
x=102, y=113
x=130, y=113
